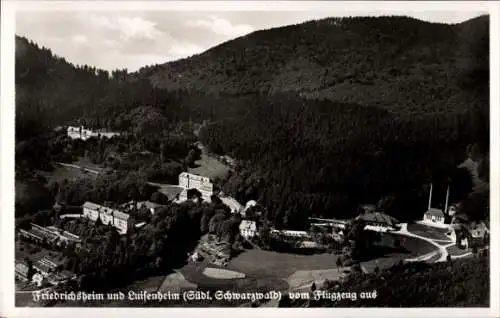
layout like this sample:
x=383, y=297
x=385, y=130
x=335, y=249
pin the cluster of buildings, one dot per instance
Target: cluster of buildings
x=192, y=181
x=189, y=181
x=45, y=271
x=85, y=133
x=438, y=217
x=460, y=230
x=49, y=235
x=120, y=220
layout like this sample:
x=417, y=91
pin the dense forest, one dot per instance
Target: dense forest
x=322, y=115
x=391, y=62
x=324, y=155
x=320, y=157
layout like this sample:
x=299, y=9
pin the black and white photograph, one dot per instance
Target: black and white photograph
x=232, y=156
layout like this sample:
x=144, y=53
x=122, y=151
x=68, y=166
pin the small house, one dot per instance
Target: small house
x=435, y=216
x=22, y=271
x=248, y=229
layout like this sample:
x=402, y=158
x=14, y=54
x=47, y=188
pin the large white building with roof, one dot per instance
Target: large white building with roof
x=120, y=220
x=193, y=181
x=84, y=133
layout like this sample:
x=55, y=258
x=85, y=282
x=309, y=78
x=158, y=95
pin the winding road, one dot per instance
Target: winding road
x=441, y=249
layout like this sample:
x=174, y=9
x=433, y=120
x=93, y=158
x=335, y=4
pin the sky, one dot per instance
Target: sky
x=132, y=39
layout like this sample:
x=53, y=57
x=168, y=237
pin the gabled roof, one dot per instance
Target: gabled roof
x=148, y=204
x=22, y=268
x=435, y=212
x=377, y=217
x=91, y=205
x=121, y=215
x=194, y=176
x=100, y=208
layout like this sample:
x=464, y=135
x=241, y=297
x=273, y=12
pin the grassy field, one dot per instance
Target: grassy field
x=70, y=173
x=415, y=245
x=259, y=263
x=411, y=247
x=456, y=251
x=428, y=231
x=209, y=167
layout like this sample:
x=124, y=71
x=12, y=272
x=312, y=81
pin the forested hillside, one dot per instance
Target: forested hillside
x=51, y=91
x=460, y=283
x=392, y=62
x=322, y=116
x=320, y=157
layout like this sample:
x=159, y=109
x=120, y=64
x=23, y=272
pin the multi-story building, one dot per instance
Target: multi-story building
x=84, y=134
x=248, y=229
x=120, y=220
x=193, y=181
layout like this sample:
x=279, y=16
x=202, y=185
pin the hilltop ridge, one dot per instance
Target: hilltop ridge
x=393, y=60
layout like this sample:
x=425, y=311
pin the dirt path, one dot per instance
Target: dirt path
x=78, y=167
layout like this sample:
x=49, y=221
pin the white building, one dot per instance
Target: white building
x=193, y=181
x=120, y=220
x=248, y=229
x=437, y=217
x=84, y=134
x=434, y=216
x=291, y=233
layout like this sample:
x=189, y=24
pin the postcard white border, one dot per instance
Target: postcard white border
x=7, y=110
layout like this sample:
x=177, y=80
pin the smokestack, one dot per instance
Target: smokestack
x=430, y=199
x=446, y=202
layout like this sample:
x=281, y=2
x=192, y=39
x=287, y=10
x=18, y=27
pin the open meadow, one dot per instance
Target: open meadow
x=430, y=232
x=209, y=167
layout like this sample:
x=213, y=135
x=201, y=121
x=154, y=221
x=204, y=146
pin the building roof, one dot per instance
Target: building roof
x=22, y=268
x=121, y=215
x=91, y=205
x=377, y=217
x=248, y=225
x=291, y=232
x=42, y=232
x=194, y=176
x=234, y=205
x=435, y=212
x=101, y=208
x=43, y=267
x=148, y=204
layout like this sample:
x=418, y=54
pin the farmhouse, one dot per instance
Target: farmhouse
x=248, y=229
x=120, y=220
